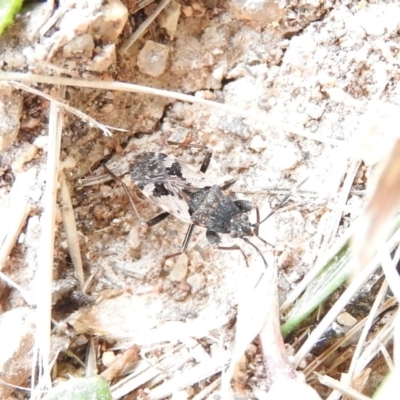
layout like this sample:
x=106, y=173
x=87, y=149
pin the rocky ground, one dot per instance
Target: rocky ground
x=319, y=81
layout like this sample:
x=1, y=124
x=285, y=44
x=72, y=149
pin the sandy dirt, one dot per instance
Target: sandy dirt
x=327, y=70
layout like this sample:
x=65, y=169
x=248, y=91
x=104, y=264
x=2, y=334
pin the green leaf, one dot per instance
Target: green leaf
x=94, y=388
x=8, y=8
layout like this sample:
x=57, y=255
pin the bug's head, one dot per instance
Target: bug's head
x=240, y=226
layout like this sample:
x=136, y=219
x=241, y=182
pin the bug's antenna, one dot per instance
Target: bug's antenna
x=283, y=201
x=261, y=255
x=127, y=193
x=257, y=249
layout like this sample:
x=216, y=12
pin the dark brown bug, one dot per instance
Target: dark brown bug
x=185, y=193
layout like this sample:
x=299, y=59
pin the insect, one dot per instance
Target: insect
x=185, y=193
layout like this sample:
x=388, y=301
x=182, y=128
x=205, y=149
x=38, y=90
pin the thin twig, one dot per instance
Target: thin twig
x=317, y=268
x=367, y=327
x=13, y=218
x=350, y=336
x=328, y=231
x=344, y=300
x=71, y=231
x=84, y=117
x=144, y=26
x=41, y=351
x=343, y=197
x=387, y=357
x=128, y=87
x=392, y=276
x=26, y=294
x=207, y=390
x=381, y=338
x=347, y=390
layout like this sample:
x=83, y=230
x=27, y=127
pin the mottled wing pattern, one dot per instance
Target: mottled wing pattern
x=167, y=182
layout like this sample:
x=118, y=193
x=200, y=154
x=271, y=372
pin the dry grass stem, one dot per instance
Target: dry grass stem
x=55, y=16
x=250, y=317
x=99, y=179
x=141, y=375
x=170, y=331
x=313, y=273
x=190, y=377
x=14, y=217
x=387, y=357
x=144, y=373
x=275, y=357
x=144, y=26
x=327, y=232
x=41, y=349
x=71, y=231
x=383, y=336
x=341, y=387
x=142, y=4
x=354, y=331
x=128, y=87
x=313, y=366
x=129, y=356
x=89, y=280
x=207, y=390
x=194, y=326
x=84, y=117
x=349, y=176
x=344, y=300
x=26, y=295
x=382, y=206
x=91, y=358
x=367, y=327
x=392, y=276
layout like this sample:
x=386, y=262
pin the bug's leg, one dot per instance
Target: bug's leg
x=206, y=162
x=142, y=222
x=257, y=249
x=215, y=240
x=262, y=257
x=157, y=219
x=256, y=228
x=184, y=244
x=228, y=184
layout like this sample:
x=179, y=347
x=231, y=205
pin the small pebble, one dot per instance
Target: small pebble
x=108, y=358
x=152, y=59
x=133, y=240
x=258, y=144
x=180, y=269
x=25, y=153
x=346, y=319
x=196, y=282
x=187, y=11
